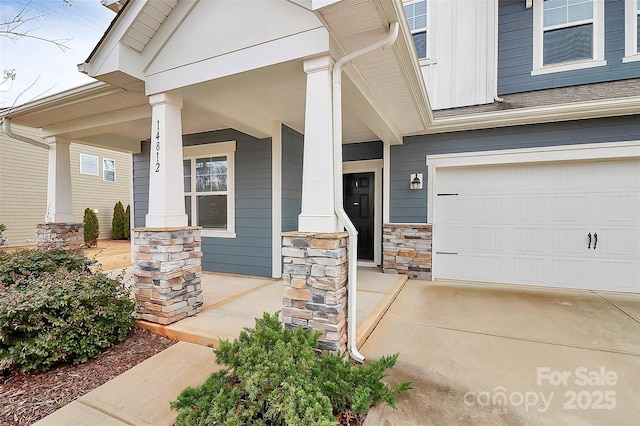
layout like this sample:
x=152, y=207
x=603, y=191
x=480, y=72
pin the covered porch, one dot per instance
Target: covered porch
x=234, y=141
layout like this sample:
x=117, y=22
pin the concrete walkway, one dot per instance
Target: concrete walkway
x=556, y=357
x=141, y=395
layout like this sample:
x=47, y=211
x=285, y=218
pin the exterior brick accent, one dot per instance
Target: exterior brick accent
x=69, y=236
x=407, y=250
x=315, y=285
x=167, y=273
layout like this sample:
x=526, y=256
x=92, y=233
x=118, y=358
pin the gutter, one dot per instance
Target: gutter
x=337, y=183
x=6, y=128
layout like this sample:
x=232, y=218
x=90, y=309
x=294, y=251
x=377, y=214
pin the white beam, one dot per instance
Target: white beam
x=98, y=120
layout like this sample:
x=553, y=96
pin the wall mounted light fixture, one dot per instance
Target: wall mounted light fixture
x=416, y=181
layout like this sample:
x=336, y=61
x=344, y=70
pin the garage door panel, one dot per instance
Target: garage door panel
x=529, y=224
x=529, y=270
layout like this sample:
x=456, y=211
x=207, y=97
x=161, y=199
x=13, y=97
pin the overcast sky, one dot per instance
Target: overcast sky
x=53, y=70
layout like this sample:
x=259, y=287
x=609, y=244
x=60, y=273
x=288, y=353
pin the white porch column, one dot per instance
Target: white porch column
x=59, y=204
x=317, y=212
x=166, y=190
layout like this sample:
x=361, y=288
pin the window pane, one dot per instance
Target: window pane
x=580, y=12
x=568, y=44
x=420, y=40
x=186, y=171
x=211, y=174
x=212, y=211
x=109, y=170
x=88, y=164
x=421, y=21
x=555, y=17
x=187, y=208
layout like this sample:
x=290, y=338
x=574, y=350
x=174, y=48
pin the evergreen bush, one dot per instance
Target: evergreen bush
x=117, y=223
x=274, y=376
x=91, y=228
x=3, y=240
x=55, y=310
x=126, y=231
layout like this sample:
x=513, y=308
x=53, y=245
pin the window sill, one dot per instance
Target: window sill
x=571, y=66
x=211, y=233
x=631, y=58
x=427, y=61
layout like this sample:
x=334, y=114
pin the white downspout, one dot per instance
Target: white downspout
x=337, y=182
x=6, y=128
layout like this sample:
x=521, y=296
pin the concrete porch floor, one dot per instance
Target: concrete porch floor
x=231, y=303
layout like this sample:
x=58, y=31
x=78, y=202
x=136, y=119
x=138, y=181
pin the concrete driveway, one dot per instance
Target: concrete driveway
x=497, y=354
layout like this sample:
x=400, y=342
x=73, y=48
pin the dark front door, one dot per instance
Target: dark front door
x=358, y=203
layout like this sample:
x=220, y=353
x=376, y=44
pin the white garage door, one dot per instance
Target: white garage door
x=538, y=224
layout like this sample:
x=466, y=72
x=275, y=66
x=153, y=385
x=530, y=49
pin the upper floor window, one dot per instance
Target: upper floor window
x=632, y=31
x=568, y=35
x=416, y=12
x=209, y=188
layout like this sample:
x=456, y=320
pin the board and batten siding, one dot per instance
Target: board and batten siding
x=250, y=252
x=292, y=157
x=410, y=206
x=23, y=186
x=515, y=52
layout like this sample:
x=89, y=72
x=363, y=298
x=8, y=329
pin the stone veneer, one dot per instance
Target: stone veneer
x=315, y=285
x=407, y=249
x=66, y=235
x=167, y=273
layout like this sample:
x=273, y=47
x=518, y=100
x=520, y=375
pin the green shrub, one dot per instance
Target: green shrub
x=117, y=223
x=275, y=376
x=68, y=315
x=126, y=231
x=3, y=240
x=91, y=228
x=19, y=267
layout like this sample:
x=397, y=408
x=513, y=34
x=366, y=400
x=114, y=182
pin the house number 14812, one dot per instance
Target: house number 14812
x=158, y=148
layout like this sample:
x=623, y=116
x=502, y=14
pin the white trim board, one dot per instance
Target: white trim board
x=375, y=167
x=276, y=200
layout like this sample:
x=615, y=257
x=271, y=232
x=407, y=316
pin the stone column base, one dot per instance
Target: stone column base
x=167, y=273
x=65, y=235
x=315, y=289
x=407, y=250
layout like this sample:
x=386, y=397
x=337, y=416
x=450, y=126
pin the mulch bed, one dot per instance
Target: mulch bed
x=26, y=398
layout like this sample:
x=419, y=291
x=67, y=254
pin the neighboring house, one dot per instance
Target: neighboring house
x=516, y=123
x=99, y=178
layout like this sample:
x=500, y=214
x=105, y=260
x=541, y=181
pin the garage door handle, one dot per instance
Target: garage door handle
x=589, y=245
x=595, y=236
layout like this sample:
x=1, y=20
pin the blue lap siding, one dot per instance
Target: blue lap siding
x=250, y=252
x=410, y=206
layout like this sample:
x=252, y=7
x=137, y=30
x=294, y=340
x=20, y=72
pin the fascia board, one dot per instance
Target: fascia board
x=111, y=43
x=537, y=115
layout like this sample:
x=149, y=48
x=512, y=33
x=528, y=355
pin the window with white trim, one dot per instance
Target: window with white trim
x=209, y=188
x=88, y=164
x=568, y=35
x=108, y=170
x=416, y=12
x=632, y=31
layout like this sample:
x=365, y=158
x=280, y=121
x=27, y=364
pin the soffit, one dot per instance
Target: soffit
x=147, y=23
x=392, y=74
